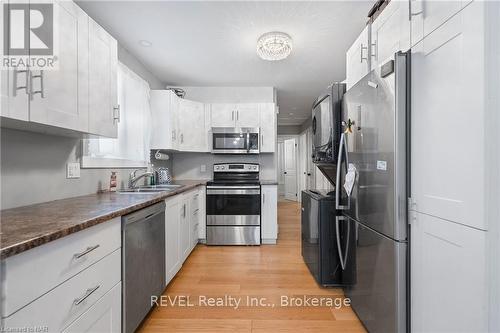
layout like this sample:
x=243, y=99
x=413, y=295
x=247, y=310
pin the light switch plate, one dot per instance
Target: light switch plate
x=73, y=170
x=203, y=168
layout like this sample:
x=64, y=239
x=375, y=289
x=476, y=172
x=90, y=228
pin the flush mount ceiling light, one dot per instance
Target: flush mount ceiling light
x=274, y=46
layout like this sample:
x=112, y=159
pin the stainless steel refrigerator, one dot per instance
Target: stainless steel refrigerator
x=373, y=154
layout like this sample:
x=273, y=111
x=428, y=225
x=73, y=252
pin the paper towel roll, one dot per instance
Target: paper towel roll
x=161, y=156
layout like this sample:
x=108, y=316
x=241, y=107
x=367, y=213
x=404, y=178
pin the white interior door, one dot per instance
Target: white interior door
x=290, y=148
x=281, y=168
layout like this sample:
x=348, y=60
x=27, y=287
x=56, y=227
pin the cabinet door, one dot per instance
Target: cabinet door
x=269, y=213
x=247, y=115
x=448, y=270
x=358, y=58
x=103, y=100
x=14, y=101
x=428, y=15
x=172, y=233
x=59, y=97
x=103, y=316
x=192, y=131
x=267, y=128
x=448, y=120
x=223, y=115
x=202, y=226
x=390, y=33
x=164, y=110
x=185, y=219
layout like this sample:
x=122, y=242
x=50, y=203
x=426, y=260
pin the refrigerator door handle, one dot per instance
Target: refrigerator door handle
x=342, y=150
x=342, y=256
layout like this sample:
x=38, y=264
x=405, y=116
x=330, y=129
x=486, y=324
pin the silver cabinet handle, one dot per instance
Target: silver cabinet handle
x=89, y=292
x=237, y=115
x=361, y=53
x=87, y=251
x=263, y=198
x=173, y=135
x=41, y=91
x=342, y=257
x=26, y=84
x=182, y=137
x=196, y=211
x=184, y=210
x=342, y=148
x=116, y=113
x=232, y=115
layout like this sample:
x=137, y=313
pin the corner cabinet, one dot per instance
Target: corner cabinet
x=76, y=98
x=269, y=214
x=178, y=124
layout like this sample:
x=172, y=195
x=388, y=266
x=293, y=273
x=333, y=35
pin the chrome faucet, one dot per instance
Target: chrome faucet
x=133, y=179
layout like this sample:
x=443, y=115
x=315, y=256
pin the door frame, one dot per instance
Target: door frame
x=282, y=138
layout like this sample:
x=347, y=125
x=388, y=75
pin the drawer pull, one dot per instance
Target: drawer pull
x=89, y=292
x=88, y=250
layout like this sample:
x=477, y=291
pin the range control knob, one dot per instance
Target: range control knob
x=216, y=168
x=255, y=167
x=222, y=167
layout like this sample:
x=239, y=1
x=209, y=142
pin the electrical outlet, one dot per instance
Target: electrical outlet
x=203, y=168
x=73, y=170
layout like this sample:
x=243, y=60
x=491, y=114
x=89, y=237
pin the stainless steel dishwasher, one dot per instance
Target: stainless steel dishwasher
x=143, y=263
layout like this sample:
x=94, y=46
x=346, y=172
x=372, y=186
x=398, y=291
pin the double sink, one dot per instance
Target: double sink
x=152, y=189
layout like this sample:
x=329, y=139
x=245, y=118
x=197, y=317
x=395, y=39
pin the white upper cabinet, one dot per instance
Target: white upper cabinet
x=59, y=96
x=223, y=115
x=235, y=115
x=247, y=115
x=80, y=94
x=191, y=126
x=267, y=128
x=450, y=127
x=103, y=61
x=358, y=58
x=428, y=15
x=390, y=32
x=164, y=109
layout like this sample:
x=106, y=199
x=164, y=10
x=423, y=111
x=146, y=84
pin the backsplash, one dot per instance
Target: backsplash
x=188, y=165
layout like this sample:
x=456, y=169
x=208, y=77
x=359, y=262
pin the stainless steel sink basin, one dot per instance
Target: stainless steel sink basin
x=151, y=189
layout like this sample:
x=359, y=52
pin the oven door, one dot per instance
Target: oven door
x=233, y=205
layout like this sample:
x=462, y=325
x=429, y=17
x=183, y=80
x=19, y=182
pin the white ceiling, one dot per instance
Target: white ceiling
x=202, y=43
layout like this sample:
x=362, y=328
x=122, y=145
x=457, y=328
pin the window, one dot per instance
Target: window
x=131, y=148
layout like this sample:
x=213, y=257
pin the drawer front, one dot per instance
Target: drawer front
x=103, y=316
x=55, y=262
x=61, y=306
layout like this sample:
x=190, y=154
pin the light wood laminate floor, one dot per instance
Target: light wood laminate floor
x=268, y=271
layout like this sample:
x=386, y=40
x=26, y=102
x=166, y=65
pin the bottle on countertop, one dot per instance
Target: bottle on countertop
x=112, y=182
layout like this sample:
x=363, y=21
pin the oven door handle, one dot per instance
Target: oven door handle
x=233, y=191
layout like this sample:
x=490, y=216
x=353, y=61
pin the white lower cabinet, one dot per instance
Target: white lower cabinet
x=202, y=226
x=269, y=214
x=184, y=214
x=172, y=232
x=103, y=317
x=448, y=276
x=61, y=306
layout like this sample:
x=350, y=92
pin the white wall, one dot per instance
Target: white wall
x=231, y=94
x=187, y=165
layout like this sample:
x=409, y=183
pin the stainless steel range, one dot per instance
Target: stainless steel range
x=233, y=205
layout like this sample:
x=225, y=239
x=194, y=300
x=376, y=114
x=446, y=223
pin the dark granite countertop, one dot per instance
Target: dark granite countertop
x=27, y=227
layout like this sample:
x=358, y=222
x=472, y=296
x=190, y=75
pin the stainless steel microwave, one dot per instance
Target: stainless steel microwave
x=235, y=140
